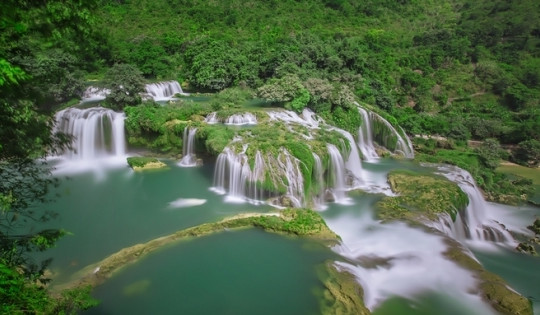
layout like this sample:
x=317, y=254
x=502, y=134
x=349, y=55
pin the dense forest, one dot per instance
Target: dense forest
x=463, y=73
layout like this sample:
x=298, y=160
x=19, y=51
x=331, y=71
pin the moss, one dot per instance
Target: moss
x=421, y=196
x=342, y=293
x=138, y=163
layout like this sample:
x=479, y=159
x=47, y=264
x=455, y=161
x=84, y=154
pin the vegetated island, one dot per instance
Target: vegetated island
x=342, y=293
x=140, y=163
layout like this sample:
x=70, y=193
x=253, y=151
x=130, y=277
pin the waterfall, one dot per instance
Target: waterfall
x=337, y=174
x=211, y=118
x=241, y=119
x=164, y=91
x=235, y=120
x=318, y=179
x=474, y=223
x=365, y=137
x=233, y=176
x=353, y=162
x=188, y=148
x=93, y=94
x=403, y=145
x=368, y=132
x=98, y=132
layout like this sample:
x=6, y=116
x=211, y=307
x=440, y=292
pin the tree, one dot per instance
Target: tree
x=35, y=40
x=287, y=90
x=125, y=83
x=490, y=153
x=528, y=153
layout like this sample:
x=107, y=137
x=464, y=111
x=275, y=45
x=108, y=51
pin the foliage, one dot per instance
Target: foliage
x=125, y=83
x=230, y=98
x=497, y=186
x=140, y=161
x=528, y=153
x=17, y=296
x=44, y=47
x=490, y=153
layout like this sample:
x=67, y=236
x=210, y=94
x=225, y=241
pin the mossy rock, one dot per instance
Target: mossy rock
x=342, y=293
x=421, y=196
x=138, y=163
x=535, y=227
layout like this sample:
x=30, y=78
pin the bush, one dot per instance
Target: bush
x=528, y=153
x=125, y=82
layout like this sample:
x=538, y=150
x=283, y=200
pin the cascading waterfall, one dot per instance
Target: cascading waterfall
x=234, y=177
x=368, y=132
x=337, y=174
x=241, y=119
x=388, y=259
x=318, y=179
x=98, y=132
x=164, y=91
x=211, y=118
x=353, y=162
x=474, y=223
x=159, y=92
x=403, y=144
x=93, y=94
x=365, y=137
x=188, y=150
x=235, y=120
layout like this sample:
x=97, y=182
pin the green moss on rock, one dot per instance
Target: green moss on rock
x=342, y=293
x=421, y=196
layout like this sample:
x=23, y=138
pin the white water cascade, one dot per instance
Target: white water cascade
x=235, y=120
x=353, y=162
x=234, y=177
x=241, y=119
x=164, y=91
x=403, y=144
x=365, y=137
x=98, y=133
x=318, y=179
x=367, y=133
x=337, y=175
x=474, y=224
x=188, y=149
x=389, y=259
x=94, y=94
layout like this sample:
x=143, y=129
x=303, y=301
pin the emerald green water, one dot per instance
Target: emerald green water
x=121, y=208
x=243, y=272
x=248, y=272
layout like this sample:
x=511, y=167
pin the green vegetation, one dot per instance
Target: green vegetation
x=342, y=294
x=125, y=82
x=138, y=163
x=459, y=69
x=44, y=50
x=481, y=163
x=421, y=197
